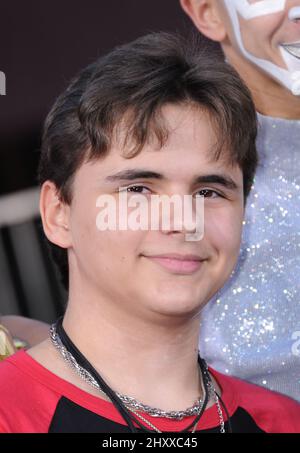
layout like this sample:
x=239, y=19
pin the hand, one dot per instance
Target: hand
x=6, y=343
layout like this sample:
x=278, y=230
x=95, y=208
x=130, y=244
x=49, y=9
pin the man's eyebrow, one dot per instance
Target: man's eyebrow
x=223, y=180
x=133, y=174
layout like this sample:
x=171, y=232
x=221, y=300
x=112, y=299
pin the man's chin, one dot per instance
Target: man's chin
x=176, y=307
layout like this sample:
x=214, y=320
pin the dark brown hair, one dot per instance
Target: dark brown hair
x=131, y=84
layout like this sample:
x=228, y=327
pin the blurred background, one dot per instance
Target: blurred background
x=42, y=45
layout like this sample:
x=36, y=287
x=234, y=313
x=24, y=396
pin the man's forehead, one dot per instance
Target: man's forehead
x=249, y=9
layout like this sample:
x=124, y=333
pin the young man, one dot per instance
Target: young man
x=259, y=339
x=150, y=119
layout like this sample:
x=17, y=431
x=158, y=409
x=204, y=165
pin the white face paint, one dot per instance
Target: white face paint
x=290, y=77
x=261, y=8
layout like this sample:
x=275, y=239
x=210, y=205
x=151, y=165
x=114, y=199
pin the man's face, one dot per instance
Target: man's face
x=267, y=32
x=118, y=266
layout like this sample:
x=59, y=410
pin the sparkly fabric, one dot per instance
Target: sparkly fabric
x=251, y=329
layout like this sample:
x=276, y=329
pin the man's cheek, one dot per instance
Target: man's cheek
x=223, y=228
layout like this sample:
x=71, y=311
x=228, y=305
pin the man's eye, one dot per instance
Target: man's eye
x=208, y=193
x=136, y=189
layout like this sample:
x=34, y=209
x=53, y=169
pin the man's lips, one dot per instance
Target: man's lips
x=293, y=49
x=181, y=264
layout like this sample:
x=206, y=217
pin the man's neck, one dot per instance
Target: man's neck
x=270, y=98
x=155, y=363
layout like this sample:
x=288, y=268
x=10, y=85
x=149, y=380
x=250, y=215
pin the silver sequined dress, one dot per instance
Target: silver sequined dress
x=251, y=329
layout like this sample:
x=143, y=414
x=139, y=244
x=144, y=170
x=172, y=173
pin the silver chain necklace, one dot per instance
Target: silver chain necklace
x=130, y=402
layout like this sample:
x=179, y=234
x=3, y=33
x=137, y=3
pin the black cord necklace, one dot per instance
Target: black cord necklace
x=127, y=415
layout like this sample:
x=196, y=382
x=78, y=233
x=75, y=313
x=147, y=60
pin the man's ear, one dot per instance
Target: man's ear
x=207, y=18
x=55, y=216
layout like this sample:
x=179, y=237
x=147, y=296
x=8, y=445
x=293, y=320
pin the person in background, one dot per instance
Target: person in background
x=258, y=340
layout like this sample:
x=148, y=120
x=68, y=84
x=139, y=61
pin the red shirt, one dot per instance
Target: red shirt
x=34, y=400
